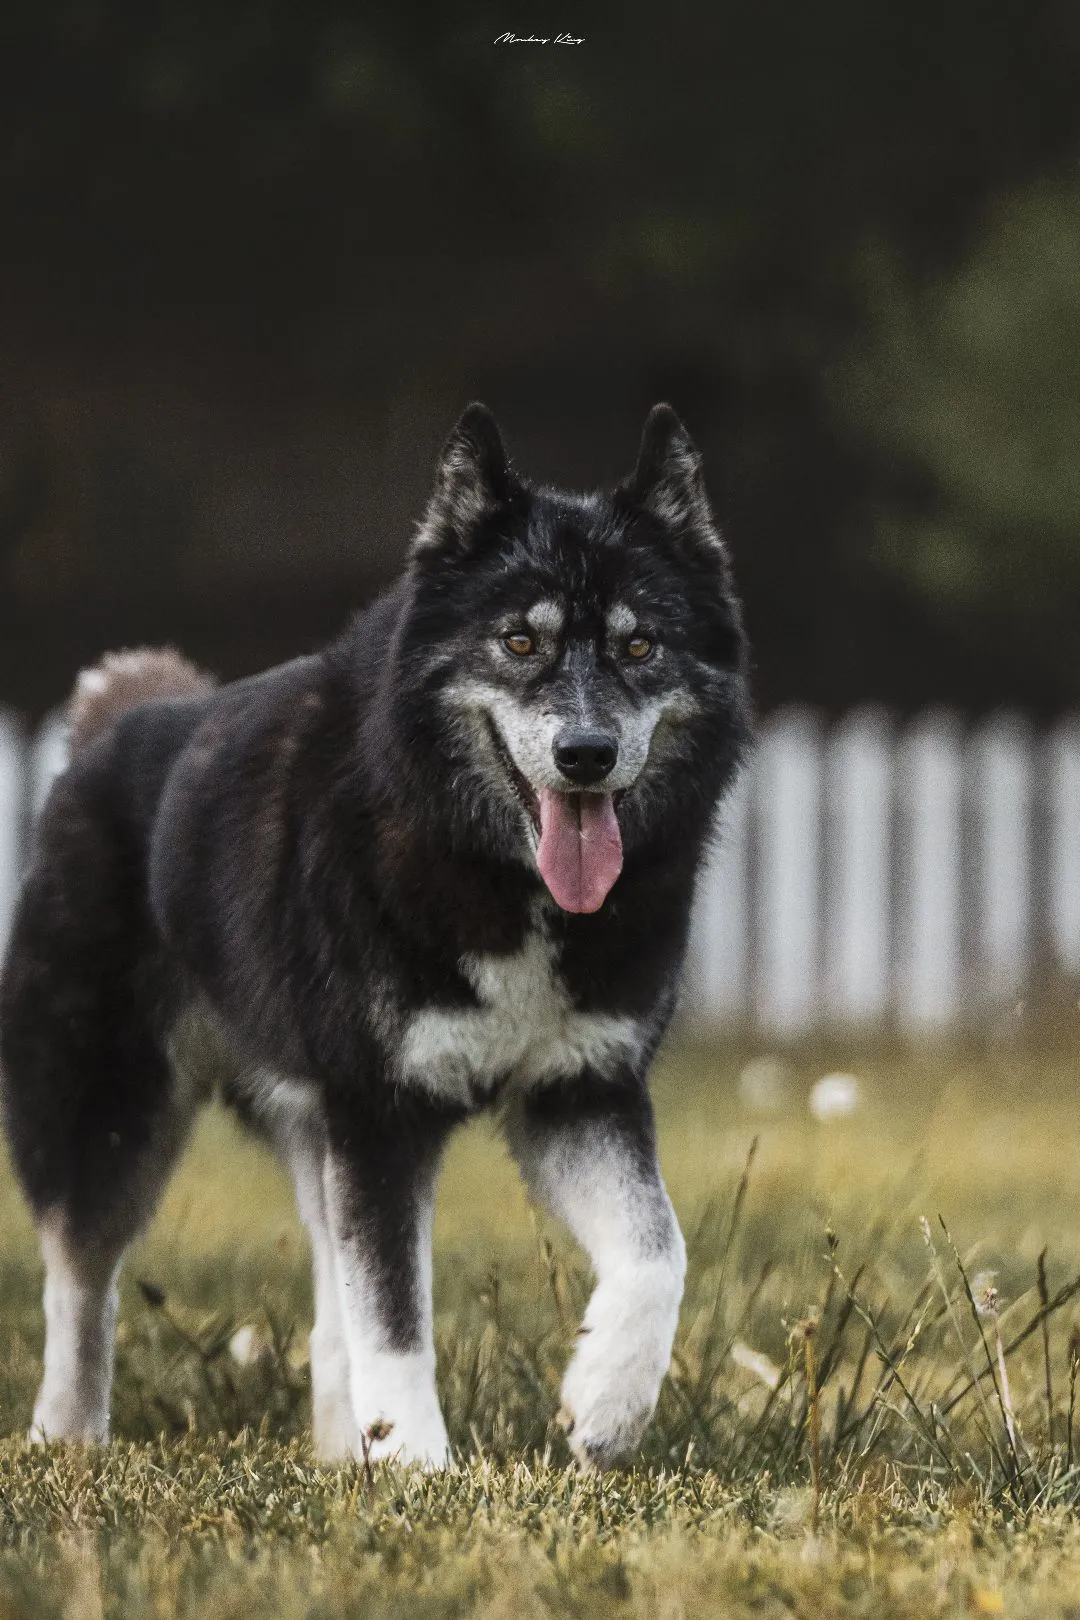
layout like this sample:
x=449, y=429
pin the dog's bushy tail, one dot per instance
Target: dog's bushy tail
x=123, y=680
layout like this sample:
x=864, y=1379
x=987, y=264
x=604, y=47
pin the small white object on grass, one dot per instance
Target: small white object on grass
x=834, y=1096
x=792, y=1511
x=249, y=1344
x=756, y=1362
x=763, y=1085
x=985, y=1294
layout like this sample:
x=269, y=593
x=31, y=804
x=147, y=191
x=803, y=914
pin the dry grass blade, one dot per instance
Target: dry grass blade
x=1074, y=1367
x=1044, y=1312
x=974, y=1379
x=1061, y=1298
x=1004, y=1404
x=713, y=1355
x=920, y=1419
x=809, y=1328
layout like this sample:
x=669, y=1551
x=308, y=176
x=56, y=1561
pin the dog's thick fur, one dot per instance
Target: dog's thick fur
x=373, y=891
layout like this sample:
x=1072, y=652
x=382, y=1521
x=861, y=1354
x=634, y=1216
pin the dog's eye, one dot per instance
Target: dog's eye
x=639, y=647
x=519, y=644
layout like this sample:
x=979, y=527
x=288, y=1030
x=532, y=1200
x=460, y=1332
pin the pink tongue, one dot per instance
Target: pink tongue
x=580, y=853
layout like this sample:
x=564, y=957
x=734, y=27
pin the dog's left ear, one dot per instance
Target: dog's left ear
x=472, y=479
x=668, y=482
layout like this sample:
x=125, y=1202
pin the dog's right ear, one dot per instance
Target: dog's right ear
x=472, y=479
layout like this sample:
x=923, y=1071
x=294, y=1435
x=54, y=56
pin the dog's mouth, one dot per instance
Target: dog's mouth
x=578, y=844
x=523, y=790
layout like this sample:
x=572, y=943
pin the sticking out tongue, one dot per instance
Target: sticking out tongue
x=580, y=853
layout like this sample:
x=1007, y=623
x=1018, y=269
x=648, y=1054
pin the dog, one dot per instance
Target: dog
x=445, y=865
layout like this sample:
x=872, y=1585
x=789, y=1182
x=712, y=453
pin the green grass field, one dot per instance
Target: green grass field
x=945, y=1485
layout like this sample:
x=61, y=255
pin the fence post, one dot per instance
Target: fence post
x=788, y=803
x=858, y=832
x=1000, y=779
x=929, y=779
x=12, y=817
x=720, y=941
x=1063, y=887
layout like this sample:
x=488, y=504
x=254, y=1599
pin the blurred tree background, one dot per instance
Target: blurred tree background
x=255, y=258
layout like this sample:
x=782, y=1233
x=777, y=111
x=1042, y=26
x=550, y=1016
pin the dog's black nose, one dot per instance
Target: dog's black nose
x=585, y=757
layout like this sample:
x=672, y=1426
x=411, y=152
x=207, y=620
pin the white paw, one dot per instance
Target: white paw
x=424, y=1445
x=59, y=1421
x=333, y=1428
x=613, y=1381
x=397, y=1413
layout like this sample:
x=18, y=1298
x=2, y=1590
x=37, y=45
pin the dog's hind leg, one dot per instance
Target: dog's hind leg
x=82, y=1244
x=333, y=1426
x=298, y=1135
x=80, y=1329
x=95, y=1118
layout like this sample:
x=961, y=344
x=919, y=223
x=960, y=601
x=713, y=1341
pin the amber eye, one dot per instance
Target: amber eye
x=639, y=647
x=519, y=644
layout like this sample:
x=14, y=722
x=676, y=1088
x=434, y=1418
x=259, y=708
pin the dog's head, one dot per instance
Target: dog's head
x=586, y=653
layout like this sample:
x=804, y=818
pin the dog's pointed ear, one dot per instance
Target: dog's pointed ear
x=472, y=479
x=668, y=482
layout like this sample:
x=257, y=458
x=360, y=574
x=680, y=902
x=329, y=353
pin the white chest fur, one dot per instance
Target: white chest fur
x=524, y=1032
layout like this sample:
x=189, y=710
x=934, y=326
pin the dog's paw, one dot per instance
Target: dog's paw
x=613, y=1381
x=412, y=1444
x=43, y=1431
x=605, y=1412
x=333, y=1431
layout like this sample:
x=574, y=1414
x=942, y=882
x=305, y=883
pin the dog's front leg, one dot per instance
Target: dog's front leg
x=587, y=1150
x=380, y=1173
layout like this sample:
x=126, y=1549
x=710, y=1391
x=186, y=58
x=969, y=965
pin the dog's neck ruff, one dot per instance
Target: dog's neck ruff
x=524, y=1033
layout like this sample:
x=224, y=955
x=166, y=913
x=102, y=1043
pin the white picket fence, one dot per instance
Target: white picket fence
x=906, y=876
x=870, y=874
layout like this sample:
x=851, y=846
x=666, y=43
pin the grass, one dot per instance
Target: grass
x=872, y=1408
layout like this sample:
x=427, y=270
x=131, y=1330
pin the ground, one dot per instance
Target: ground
x=888, y=1259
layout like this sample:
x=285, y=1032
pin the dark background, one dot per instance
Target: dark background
x=254, y=260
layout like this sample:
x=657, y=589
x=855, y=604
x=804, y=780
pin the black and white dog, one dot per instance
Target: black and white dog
x=444, y=865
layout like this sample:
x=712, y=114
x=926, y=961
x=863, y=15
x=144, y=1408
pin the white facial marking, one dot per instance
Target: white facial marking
x=528, y=729
x=624, y=1221
x=621, y=620
x=80, y=1330
x=391, y=1387
x=546, y=617
x=525, y=1032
